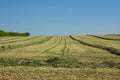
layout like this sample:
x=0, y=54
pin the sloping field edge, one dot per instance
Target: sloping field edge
x=104, y=38
x=109, y=49
x=114, y=34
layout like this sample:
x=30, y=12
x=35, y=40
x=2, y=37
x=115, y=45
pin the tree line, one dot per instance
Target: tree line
x=3, y=33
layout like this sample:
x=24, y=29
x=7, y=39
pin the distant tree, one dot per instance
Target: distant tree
x=27, y=33
x=1, y=31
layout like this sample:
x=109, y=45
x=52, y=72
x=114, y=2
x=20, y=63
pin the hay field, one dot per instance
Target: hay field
x=60, y=58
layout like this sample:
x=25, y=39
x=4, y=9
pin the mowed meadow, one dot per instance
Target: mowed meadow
x=87, y=57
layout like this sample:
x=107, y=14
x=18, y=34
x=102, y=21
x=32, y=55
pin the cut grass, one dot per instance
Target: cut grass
x=110, y=49
x=60, y=62
x=17, y=40
x=9, y=47
x=111, y=36
x=47, y=50
x=79, y=62
x=2, y=39
x=64, y=48
x=104, y=38
x=97, y=41
x=50, y=73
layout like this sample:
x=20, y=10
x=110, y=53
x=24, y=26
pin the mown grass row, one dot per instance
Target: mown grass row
x=9, y=47
x=18, y=40
x=104, y=38
x=9, y=38
x=65, y=47
x=47, y=50
x=57, y=62
x=109, y=49
x=115, y=34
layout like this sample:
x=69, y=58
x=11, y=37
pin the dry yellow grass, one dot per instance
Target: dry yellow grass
x=74, y=61
x=50, y=73
x=94, y=40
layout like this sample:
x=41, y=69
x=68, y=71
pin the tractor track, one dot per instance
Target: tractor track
x=65, y=49
x=47, y=50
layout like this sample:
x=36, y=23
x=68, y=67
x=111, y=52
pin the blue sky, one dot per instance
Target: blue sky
x=60, y=17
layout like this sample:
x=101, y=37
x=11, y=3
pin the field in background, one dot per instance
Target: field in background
x=60, y=58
